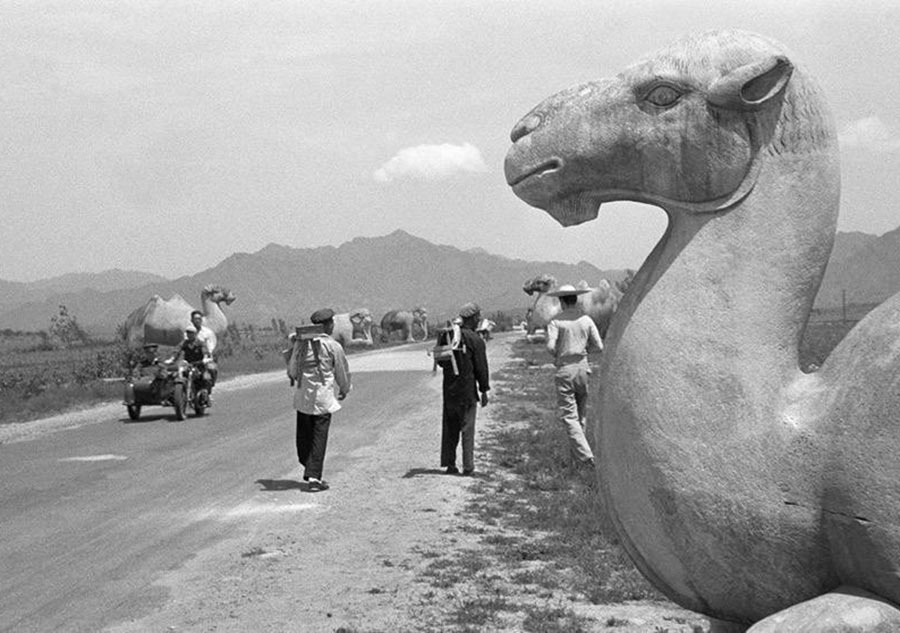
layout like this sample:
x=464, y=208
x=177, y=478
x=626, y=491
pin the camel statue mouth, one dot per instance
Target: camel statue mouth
x=550, y=166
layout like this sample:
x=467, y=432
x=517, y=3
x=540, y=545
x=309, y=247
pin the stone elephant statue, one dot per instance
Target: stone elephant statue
x=403, y=321
x=353, y=328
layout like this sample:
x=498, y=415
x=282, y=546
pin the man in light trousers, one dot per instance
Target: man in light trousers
x=570, y=335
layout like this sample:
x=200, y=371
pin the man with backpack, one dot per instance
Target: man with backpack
x=318, y=366
x=466, y=383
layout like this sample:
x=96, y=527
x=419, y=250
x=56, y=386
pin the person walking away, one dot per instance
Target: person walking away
x=318, y=366
x=570, y=335
x=463, y=389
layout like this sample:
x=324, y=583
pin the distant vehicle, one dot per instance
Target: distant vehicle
x=178, y=385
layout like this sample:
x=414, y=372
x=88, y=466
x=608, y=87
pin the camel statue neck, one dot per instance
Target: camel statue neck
x=213, y=316
x=719, y=309
x=749, y=273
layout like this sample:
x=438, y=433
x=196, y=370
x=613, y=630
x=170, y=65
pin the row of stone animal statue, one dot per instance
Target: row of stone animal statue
x=163, y=321
x=600, y=303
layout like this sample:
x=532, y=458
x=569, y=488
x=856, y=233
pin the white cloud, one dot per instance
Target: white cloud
x=870, y=133
x=431, y=162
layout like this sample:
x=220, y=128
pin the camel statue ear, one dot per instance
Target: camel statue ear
x=751, y=86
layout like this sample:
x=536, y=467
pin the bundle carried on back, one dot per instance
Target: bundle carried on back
x=447, y=343
x=302, y=337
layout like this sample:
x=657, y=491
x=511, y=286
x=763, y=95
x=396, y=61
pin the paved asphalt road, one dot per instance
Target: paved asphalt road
x=90, y=515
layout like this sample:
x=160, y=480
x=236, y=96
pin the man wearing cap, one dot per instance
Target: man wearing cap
x=149, y=368
x=570, y=334
x=318, y=366
x=462, y=392
x=192, y=349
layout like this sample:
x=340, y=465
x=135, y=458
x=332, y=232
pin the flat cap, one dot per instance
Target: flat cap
x=321, y=316
x=469, y=310
x=190, y=328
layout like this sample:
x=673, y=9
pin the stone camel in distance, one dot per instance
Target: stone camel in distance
x=740, y=486
x=600, y=303
x=163, y=321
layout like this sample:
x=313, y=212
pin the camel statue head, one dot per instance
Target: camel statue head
x=694, y=116
x=217, y=294
x=540, y=284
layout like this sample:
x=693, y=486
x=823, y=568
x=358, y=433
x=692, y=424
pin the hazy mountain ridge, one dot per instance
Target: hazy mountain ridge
x=396, y=271
x=382, y=273
x=14, y=293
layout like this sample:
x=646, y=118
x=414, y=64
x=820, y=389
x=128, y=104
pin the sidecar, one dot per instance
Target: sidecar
x=166, y=384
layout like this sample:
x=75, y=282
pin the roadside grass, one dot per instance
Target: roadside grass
x=55, y=399
x=540, y=552
x=543, y=550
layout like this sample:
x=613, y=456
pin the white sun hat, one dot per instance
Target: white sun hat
x=567, y=290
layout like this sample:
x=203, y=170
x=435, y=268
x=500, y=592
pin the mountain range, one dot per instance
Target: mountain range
x=396, y=271
x=382, y=273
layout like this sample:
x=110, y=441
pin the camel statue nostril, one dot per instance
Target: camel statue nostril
x=525, y=127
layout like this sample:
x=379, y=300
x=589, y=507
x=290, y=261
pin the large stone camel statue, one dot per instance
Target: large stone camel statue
x=163, y=322
x=353, y=328
x=600, y=304
x=403, y=321
x=741, y=487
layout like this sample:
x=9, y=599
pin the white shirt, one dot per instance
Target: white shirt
x=209, y=337
x=315, y=393
x=569, y=336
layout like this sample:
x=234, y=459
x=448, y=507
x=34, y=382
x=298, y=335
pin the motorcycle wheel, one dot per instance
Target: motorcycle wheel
x=134, y=411
x=179, y=400
x=200, y=403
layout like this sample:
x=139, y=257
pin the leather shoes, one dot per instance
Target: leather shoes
x=468, y=472
x=451, y=470
x=316, y=485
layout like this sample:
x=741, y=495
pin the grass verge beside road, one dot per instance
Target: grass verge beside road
x=543, y=563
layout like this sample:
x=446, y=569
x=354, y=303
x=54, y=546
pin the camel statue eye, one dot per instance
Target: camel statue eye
x=663, y=96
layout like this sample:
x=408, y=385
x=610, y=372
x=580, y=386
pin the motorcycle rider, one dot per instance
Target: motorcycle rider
x=195, y=352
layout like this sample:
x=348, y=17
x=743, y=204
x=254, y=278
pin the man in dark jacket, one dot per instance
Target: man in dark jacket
x=462, y=393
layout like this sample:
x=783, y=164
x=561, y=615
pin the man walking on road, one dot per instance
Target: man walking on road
x=461, y=389
x=570, y=334
x=318, y=365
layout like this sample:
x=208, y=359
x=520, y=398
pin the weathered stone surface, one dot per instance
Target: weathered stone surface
x=403, y=321
x=845, y=611
x=353, y=328
x=740, y=486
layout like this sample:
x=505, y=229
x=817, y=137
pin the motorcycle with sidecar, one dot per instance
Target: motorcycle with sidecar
x=178, y=384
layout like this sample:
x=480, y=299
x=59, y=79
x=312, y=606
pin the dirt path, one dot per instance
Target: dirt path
x=352, y=559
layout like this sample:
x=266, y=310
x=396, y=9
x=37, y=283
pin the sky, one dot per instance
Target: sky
x=165, y=136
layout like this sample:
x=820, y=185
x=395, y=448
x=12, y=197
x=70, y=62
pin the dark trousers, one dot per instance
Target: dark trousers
x=312, y=439
x=458, y=421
